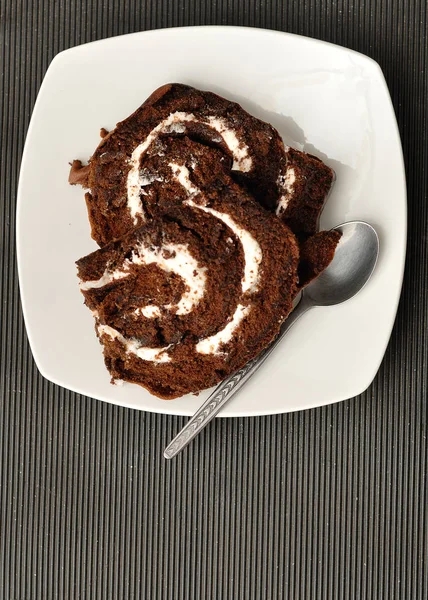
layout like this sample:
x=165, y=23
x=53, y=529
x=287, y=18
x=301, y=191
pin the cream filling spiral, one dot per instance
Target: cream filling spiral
x=252, y=250
x=171, y=258
x=177, y=258
x=285, y=183
x=176, y=123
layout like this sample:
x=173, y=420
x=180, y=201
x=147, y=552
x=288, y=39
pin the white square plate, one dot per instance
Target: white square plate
x=332, y=101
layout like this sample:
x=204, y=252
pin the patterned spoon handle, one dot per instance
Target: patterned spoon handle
x=228, y=388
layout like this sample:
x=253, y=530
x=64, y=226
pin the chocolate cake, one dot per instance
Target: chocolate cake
x=207, y=226
x=120, y=173
x=189, y=297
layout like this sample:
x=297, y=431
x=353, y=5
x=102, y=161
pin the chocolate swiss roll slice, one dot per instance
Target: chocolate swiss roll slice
x=284, y=180
x=190, y=296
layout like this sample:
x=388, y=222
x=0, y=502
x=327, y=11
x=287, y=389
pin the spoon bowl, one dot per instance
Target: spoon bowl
x=352, y=266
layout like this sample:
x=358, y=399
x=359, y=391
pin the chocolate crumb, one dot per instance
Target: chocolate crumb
x=78, y=174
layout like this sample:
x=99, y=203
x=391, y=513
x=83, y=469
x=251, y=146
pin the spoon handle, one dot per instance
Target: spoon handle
x=229, y=387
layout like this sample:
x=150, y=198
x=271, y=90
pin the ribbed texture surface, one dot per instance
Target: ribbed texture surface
x=329, y=503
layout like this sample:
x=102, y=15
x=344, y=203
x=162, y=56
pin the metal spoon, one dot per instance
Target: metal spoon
x=354, y=261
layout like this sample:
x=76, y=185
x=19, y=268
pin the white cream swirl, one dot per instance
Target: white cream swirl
x=171, y=258
x=132, y=346
x=211, y=345
x=252, y=257
x=176, y=123
x=285, y=183
x=252, y=250
x=176, y=258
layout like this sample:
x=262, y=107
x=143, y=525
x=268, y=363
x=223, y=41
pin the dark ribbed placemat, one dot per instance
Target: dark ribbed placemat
x=327, y=503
